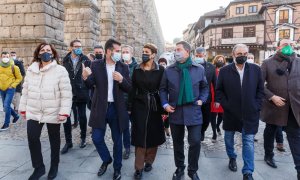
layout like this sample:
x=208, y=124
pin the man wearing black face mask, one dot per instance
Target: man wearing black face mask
x=282, y=102
x=99, y=52
x=240, y=92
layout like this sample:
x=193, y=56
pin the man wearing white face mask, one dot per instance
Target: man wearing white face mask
x=127, y=52
x=210, y=74
x=10, y=77
x=111, y=78
x=250, y=58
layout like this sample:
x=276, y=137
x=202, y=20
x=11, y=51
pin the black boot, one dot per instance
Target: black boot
x=232, y=165
x=37, y=173
x=138, y=174
x=66, y=148
x=52, y=172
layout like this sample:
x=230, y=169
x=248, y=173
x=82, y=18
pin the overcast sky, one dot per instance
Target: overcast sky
x=175, y=15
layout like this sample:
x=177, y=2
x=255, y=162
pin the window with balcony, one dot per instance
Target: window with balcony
x=249, y=31
x=240, y=10
x=252, y=9
x=284, y=34
x=283, y=16
x=227, y=33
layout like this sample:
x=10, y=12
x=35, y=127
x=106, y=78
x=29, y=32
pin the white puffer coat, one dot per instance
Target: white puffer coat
x=47, y=93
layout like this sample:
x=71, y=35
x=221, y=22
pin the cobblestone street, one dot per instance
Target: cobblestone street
x=213, y=160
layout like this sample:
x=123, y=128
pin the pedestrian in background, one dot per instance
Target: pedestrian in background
x=46, y=99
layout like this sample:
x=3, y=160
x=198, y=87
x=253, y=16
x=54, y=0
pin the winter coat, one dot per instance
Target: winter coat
x=147, y=125
x=46, y=93
x=241, y=102
x=213, y=94
x=286, y=85
x=210, y=74
x=189, y=114
x=9, y=77
x=79, y=89
x=98, y=79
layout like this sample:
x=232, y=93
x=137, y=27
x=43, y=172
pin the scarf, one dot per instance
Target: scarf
x=186, y=95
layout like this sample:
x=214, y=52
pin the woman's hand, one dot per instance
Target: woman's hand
x=62, y=118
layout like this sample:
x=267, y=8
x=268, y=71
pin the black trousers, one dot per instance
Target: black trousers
x=34, y=129
x=194, y=140
x=81, y=109
x=208, y=117
x=269, y=137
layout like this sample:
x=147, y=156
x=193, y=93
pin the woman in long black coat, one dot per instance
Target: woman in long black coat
x=147, y=124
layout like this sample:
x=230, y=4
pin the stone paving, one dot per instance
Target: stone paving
x=83, y=163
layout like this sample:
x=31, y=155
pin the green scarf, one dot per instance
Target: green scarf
x=186, y=95
x=5, y=65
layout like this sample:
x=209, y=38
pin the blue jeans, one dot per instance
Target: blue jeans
x=7, y=97
x=248, y=149
x=98, y=138
x=126, y=136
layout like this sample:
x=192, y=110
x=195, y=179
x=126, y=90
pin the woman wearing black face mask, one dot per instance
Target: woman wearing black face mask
x=147, y=124
x=219, y=61
x=46, y=99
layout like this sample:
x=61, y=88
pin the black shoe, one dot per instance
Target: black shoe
x=66, y=148
x=103, y=167
x=232, y=165
x=138, y=174
x=178, y=174
x=247, y=177
x=83, y=143
x=52, y=172
x=117, y=175
x=194, y=176
x=298, y=175
x=37, y=173
x=148, y=167
x=270, y=162
x=75, y=124
x=4, y=127
x=126, y=154
x=15, y=120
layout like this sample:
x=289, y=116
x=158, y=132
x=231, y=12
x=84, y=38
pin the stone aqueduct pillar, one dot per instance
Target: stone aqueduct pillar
x=26, y=23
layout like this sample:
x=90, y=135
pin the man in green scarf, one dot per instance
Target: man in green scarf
x=183, y=90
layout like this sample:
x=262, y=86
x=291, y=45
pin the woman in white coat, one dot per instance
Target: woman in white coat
x=46, y=99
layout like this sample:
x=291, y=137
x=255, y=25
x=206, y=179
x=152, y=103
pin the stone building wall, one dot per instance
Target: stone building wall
x=26, y=23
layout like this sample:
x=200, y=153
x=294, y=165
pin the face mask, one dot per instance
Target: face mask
x=199, y=60
x=241, y=59
x=287, y=50
x=164, y=65
x=219, y=64
x=5, y=60
x=14, y=57
x=126, y=57
x=98, y=56
x=77, y=51
x=250, y=61
x=145, y=58
x=178, y=56
x=116, y=57
x=45, y=57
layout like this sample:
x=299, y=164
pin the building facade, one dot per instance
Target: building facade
x=26, y=23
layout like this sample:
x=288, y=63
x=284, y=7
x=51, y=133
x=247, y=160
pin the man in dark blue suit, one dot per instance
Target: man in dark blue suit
x=183, y=90
x=240, y=91
x=111, y=80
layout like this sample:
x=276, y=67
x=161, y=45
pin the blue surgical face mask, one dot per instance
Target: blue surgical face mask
x=116, y=57
x=199, y=60
x=178, y=56
x=77, y=51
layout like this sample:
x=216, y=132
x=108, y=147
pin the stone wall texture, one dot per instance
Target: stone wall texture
x=26, y=23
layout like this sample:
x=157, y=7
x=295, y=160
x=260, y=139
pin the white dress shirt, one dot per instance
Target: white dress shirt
x=110, y=69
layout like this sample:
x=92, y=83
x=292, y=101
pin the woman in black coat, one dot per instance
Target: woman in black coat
x=147, y=124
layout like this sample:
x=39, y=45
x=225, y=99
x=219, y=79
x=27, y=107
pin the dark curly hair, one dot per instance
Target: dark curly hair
x=41, y=46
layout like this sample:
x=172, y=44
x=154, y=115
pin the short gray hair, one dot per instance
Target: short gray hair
x=240, y=46
x=200, y=50
x=98, y=47
x=129, y=47
x=185, y=45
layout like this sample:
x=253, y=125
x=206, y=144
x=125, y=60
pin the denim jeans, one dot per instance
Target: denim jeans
x=99, y=142
x=126, y=135
x=7, y=97
x=248, y=149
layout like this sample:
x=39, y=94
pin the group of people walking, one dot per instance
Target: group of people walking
x=189, y=94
